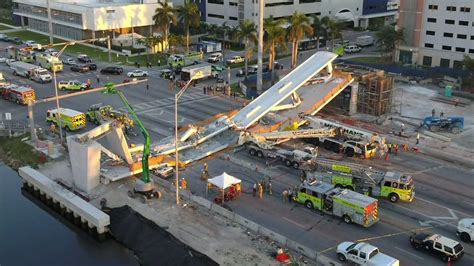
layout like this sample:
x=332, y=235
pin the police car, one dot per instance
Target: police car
x=438, y=245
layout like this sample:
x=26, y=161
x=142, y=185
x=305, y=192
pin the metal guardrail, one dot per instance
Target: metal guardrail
x=8, y=127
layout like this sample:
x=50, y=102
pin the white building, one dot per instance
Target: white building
x=83, y=19
x=437, y=32
x=358, y=11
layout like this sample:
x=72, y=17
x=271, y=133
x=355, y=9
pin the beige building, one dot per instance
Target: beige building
x=437, y=32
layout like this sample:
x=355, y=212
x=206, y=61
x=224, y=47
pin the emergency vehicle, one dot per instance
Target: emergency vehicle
x=438, y=245
x=70, y=119
x=351, y=206
x=20, y=54
x=100, y=113
x=18, y=94
x=182, y=60
x=49, y=62
x=364, y=179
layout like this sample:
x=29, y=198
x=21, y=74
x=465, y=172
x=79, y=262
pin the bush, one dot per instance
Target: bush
x=119, y=48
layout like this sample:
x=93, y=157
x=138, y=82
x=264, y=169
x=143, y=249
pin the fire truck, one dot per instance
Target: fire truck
x=18, y=94
x=361, y=178
x=20, y=54
x=351, y=206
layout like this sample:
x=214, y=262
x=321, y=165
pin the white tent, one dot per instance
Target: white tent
x=223, y=181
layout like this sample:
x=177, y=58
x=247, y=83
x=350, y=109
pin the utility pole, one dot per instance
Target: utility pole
x=261, y=6
x=109, y=48
x=34, y=138
x=50, y=23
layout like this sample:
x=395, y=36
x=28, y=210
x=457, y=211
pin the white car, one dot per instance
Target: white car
x=9, y=61
x=69, y=61
x=364, y=254
x=215, y=57
x=3, y=59
x=33, y=45
x=137, y=73
x=466, y=229
x=352, y=49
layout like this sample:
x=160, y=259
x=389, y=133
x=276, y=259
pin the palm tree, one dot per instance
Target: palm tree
x=334, y=29
x=247, y=31
x=389, y=38
x=164, y=16
x=175, y=40
x=319, y=29
x=300, y=26
x=274, y=38
x=189, y=16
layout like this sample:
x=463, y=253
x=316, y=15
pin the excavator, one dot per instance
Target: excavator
x=144, y=187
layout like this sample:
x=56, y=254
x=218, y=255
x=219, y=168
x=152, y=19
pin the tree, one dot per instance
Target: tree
x=247, y=32
x=150, y=42
x=468, y=63
x=299, y=27
x=164, y=16
x=189, y=16
x=388, y=39
x=333, y=29
x=175, y=40
x=319, y=29
x=274, y=38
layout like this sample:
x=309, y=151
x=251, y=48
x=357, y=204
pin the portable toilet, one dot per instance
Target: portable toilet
x=448, y=91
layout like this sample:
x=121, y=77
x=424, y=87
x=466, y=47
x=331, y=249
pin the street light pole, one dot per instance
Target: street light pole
x=261, y=6
x=176, y=99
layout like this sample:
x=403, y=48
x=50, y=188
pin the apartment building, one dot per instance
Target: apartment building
x=361, y=12
x=83, y=19
x=437, y=32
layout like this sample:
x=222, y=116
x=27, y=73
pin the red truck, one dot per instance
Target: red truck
x=17, y=94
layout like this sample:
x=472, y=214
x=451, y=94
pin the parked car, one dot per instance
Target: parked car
x=91, y=66
x=69, y=61
x=33, y=45
x=167, y=74
x=16, y=40
x=214, y=58
x=72, y=85
x=3, y=36
x=80, y=68
x=83, y=58
x=3, y=60
x=352, y=49
x=164, y=172
x=466, y=229
x=112, y=70
x=9, y=61
x=137, y=73
x=235, y=60
x=438, y=245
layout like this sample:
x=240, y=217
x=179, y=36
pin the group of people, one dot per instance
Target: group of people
x=262, y=187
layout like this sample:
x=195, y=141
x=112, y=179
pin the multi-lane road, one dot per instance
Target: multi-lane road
x=443, y=191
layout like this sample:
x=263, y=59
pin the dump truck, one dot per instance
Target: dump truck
x=182, y=60
x=31, y=71
x=17, y=94
x=361, y=178
x=49, y=62
x=99, y=113
x=352, y=142
x=71, y=120
x=351, y=206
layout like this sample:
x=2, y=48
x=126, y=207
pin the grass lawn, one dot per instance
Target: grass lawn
x=94, y=53
x=4, y=27
x=369, y=60
x=254, y=62
x=17, y=153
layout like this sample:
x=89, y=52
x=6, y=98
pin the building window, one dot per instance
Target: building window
x=429, y=45
x=465, y=9
x=433, y=7
x=471, y=51
x=464, y=23
x=233, y=18
x=309, y=1
x=460, y=49
x=446, y=47
x=444, y=63
x=218, y=2
x=430, y=32
x=215, y=16
x=472, y=37
x=448, y=34
x=280, y=4
x=232, y=4
x=449, y=21
x=457, y=64
x=431, y=20
x=462, y=36
x=427, y=60
x=451, y=8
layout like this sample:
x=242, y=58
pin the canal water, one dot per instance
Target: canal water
x=30, y=234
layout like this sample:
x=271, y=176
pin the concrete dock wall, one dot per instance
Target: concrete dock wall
x=70, y=203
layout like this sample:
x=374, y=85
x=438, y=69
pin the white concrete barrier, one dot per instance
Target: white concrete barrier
x=247, y=223
x=272, y=235
x=201, y=201
x=222, y=211
x=310, y=253
x=66, y=198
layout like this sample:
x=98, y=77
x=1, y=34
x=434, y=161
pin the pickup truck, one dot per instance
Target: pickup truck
x=364, y=254
x=438, y=245
x=235, y=60
x=466, y=229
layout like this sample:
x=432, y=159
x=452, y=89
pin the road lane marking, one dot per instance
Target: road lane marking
x=409, y=253
x=294, y=222
x=441, y=206
x=422, y=214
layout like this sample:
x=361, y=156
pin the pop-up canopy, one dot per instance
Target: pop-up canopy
x=224, y=181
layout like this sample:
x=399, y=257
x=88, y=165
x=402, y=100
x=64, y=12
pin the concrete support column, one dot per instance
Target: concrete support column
x=354, y=98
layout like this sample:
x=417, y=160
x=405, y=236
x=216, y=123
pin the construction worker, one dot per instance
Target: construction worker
x=205, y=170
x=238, y=189
x=184, y=184
x=88, y=83
x=262, y=183
x=269, y=187
x=285, y=195
x=389, y=147
x=260, y=191
x=395, y=148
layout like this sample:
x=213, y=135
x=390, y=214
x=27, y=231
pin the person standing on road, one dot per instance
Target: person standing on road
x=417, y=137
x=254, y=189
x=98, y=79
x=149, y=64
x=290, y=195
x=260, y=191
x=441, y=114
x=285, y=195
x=138, y=64
x=269, y=187
x=433, y=112
x=395, y=148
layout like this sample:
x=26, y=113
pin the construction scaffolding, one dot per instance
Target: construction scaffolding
x=375, y=90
